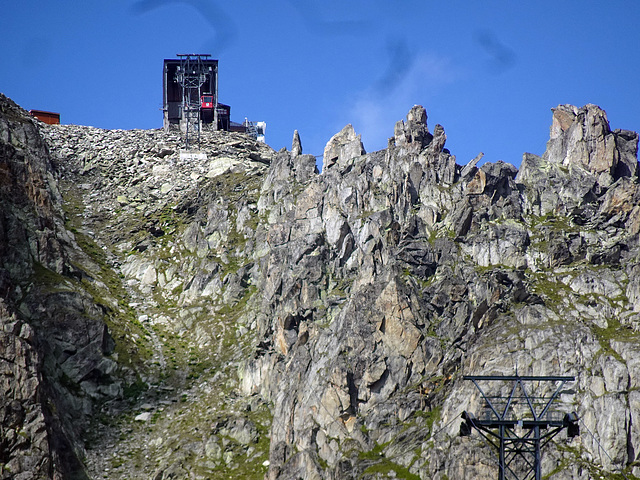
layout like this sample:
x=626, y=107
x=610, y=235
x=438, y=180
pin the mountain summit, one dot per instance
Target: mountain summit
x=241, y=315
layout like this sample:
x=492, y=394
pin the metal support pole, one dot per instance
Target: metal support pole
x=215, y=101
x=191, y=75
x=502, y=466
x=537, y=466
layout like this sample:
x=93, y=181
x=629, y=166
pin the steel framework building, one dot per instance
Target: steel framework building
x=190, y=99
x=521, y=423
x=190, y=94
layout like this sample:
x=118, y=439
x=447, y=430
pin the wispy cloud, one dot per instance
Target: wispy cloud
x=375, y=110
x=315, y=21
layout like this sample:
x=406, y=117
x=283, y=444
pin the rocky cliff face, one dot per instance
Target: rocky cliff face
x=240, y=315
x=428, y=270
x=54, y=343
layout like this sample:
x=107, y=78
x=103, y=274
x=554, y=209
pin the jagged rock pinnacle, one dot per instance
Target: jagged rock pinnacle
x=296, y=145
x=414, y=134
x=582, y=136
x=342, y=147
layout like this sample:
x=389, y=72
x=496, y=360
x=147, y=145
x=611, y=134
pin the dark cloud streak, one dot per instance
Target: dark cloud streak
x=501, y=57
x=401, y=59
x=222, y=24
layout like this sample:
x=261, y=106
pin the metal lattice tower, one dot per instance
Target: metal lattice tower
x=191, y=74
x=521, y=423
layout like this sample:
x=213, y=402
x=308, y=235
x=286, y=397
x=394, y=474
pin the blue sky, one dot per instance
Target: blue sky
x=489, y=71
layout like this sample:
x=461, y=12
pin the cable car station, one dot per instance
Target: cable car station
x=190, y=99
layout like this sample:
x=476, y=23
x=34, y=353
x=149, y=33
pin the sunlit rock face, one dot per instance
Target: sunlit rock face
x=583, y=159
x=430, y=269
x=237, y=314
x=581, y=136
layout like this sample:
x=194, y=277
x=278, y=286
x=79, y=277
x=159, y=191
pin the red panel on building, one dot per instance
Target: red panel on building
x=51, y=118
